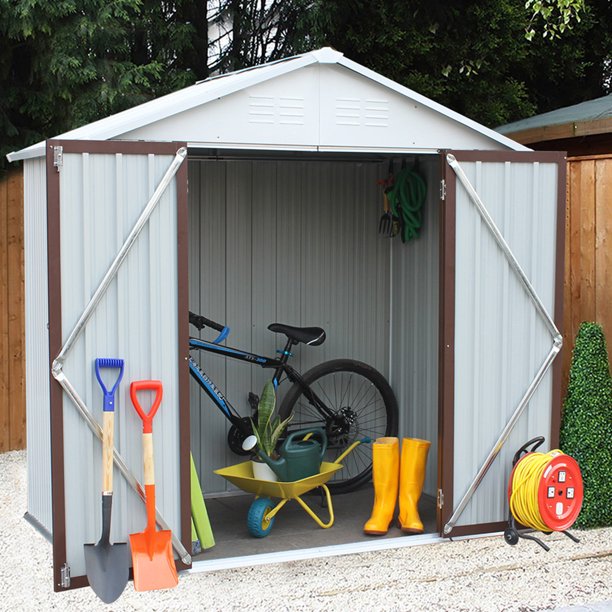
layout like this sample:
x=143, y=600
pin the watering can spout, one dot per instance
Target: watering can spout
x=278, y=466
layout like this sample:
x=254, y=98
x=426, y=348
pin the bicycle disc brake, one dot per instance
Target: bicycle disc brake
x=341, y=430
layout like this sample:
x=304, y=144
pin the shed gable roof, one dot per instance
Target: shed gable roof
x=162, y=118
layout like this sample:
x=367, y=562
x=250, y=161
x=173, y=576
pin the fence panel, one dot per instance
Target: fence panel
x=12, y=324
x=588, y=250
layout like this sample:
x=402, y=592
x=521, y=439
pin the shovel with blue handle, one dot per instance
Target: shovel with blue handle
x=107, y=565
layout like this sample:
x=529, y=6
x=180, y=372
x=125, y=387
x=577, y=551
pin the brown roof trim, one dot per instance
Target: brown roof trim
x=509, y=156
x=572, y=129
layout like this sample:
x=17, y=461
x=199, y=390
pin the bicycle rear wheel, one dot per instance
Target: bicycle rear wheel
x=361, y=403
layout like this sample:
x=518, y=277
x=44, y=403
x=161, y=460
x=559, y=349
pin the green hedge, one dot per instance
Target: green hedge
x=586, y=427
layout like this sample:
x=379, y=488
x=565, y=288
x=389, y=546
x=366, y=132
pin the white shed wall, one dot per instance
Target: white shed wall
x=500, y=341
x=102, y=195
x=38, y=417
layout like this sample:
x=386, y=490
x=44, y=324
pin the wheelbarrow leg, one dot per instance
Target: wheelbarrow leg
x=314, y=517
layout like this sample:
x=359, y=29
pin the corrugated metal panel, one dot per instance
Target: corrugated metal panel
x=37, y=342
x=500, y=341
x=293, y=242
x=415, y=325
x=101, y=198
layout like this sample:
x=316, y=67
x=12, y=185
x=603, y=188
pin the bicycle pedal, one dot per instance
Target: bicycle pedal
x=253, y=401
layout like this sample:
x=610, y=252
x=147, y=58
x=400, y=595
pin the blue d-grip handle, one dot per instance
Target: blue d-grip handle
x=109, y=396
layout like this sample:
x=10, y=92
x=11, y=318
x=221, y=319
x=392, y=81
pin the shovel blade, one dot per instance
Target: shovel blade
x=153, y=560
x=108, y=569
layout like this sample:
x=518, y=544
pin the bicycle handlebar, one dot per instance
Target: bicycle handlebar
x=201, y=322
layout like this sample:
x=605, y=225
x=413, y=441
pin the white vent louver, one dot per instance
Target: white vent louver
x=357, y=112
x=281, y=110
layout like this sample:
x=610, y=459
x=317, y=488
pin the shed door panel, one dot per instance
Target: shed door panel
x=500, y=340
x=98, y=195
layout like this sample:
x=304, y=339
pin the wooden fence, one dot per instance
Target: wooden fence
x=588, y=250
x=12, y=324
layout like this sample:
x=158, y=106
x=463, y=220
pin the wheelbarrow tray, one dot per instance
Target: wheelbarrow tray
x=241, y=475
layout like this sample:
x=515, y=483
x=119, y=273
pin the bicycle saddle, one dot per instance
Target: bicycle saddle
x=308, y=335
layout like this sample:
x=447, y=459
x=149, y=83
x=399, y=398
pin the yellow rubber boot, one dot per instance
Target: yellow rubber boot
x=412, y=477
x=385, y=475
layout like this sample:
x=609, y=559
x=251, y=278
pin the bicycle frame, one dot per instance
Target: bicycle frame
x=280, y=366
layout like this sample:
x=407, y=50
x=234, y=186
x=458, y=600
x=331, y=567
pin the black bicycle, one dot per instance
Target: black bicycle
x=349, y=399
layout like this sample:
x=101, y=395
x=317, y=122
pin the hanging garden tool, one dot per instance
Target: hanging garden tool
x=406, y=198
x=107, y=565
x=544, y=493
x=385, y=225
x=152, y=557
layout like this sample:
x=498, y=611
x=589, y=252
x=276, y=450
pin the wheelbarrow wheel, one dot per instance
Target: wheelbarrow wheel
x=258, y=524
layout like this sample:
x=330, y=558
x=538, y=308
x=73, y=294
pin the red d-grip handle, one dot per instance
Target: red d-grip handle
x=147, y=385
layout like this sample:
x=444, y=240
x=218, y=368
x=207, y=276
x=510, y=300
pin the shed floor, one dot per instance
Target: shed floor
x=293, y=528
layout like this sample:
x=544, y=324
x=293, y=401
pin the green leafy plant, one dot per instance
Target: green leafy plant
x=269, y=426
x=586, y=428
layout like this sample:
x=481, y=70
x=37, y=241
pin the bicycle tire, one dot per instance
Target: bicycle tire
x=367, y=408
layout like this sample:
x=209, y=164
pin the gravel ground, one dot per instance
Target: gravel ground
x=479, y=574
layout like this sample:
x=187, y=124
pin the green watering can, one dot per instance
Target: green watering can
x=299, y=458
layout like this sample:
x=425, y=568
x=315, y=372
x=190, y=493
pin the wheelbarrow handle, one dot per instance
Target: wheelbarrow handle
x=146, y=385
x=365, y=440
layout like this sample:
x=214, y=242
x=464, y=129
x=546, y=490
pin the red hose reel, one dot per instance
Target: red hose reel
x=552, y=494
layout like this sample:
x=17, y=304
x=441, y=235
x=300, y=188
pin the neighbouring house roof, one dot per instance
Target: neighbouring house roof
x=585, y=119
x=205, y=113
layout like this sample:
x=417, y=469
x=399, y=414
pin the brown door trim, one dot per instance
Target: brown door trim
x=55, y=338
x=446, y=352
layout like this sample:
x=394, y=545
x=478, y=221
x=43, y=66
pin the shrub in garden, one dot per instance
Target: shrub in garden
x=586, y=427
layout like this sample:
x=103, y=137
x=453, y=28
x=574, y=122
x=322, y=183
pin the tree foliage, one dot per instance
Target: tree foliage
x=70, y=62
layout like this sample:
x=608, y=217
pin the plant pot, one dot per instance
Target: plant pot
x=262, y=471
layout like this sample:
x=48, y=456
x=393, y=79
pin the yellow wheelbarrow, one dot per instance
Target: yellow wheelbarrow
x=263, y=510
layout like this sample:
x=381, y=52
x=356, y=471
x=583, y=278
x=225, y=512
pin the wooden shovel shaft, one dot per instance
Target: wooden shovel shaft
x=108, y=423
x=149, y=478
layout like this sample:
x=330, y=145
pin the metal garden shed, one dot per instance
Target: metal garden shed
x=253, y=197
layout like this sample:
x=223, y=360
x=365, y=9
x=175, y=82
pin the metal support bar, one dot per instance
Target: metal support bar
x=180, y=156
x=117, y=459
x=550, y=324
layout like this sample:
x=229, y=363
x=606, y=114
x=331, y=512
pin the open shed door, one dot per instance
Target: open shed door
x=117, y=255
x=502, y=287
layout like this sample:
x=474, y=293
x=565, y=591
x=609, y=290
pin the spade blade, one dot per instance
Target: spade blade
x=108, y=569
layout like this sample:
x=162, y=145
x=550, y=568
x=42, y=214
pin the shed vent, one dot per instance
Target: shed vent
x=270, y=110
x=357, y=112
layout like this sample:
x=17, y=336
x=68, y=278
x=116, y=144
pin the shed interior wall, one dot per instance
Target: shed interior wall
x=297, y=242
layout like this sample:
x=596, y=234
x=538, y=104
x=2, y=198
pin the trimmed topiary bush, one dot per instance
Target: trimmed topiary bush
x=586, y=427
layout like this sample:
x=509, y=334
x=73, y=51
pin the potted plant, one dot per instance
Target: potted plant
x=267, y=430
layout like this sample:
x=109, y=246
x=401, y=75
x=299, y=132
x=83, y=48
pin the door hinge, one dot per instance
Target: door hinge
x=443, y=189
x=65, y=576
x=440, y=499
x=58, y=157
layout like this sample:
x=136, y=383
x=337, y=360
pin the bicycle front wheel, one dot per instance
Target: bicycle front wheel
x=360, y=403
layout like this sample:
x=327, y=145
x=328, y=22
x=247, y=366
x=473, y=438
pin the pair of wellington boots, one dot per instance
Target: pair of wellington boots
x=390, y=474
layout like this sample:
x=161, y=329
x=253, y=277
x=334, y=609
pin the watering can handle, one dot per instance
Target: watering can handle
x=305, y=434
